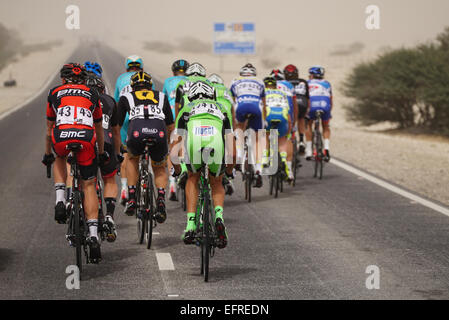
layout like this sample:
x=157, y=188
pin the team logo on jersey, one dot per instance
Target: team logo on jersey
x=73, y=134
x=146, y=95
x=204, y=131
x=74, y=92
x=161, y=134
x=149, y=130
x=136, y=134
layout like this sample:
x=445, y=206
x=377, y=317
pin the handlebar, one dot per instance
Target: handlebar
x=49, y=171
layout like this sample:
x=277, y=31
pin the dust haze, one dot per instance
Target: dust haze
x=176, y=25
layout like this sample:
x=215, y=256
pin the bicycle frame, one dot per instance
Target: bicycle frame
x=318, y=146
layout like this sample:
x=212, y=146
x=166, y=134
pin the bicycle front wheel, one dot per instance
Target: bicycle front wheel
x=150, y=202
x=76, y=214
x=206, y=243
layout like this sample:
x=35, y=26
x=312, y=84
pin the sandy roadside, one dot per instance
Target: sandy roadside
x=420, y=164
x=31, y=72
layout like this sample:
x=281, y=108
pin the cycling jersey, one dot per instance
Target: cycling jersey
x=75, y=109
x=289, y=90
x=149, y=114
x=123, y=86
x=248, y=93
x=205, y=121
x=170, y=86
x=184, y=86
x=320, y=98
x=301, y=89
x=224, y=96
x=277, y=110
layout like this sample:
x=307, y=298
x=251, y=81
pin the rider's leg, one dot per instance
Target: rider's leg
x=110, y=194
x=218, y=194
x=326, y=137
x=172, y=181
x=90, y=206
x=192, y=191
x=160, y=180
x=60, y=177
x=309, y=140
x=124, y=180
x=289, y=158
x=132, y=172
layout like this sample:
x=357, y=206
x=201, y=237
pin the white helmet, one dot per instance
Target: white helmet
x=196, y=69
x=248, y=70
x=201, y=90
x=215, y=78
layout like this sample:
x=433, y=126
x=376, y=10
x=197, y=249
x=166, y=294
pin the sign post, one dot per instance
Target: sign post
x=234, y=38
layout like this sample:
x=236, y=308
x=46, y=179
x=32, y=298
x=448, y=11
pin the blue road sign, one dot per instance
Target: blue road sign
x=234, y=38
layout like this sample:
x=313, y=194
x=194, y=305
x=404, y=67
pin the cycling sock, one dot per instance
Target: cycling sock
x=161, y=193
x=326, y=144
x=183, y=167
x=110, y=206
x=289, y=166
x=68, y=193
x=132, y=192
x=60, y=192
x=309, y=146
x=93, y=227
x=284, y=156
x=219, y=212
x=124, y=182
x=301, y=137
x=191, y=221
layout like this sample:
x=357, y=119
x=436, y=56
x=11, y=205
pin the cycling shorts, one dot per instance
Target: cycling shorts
x=205, y=133
x=303, y=104
x=245, y=109
x=326, y=116
x=277, y=114
x=110, y=168
x=152, y=129
x=86, y=157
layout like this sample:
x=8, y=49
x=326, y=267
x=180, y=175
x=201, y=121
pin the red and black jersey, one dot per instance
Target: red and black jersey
x=74, y=106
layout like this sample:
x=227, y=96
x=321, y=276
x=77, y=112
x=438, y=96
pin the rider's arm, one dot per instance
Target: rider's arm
x=115, y=128
x=295, y=107
x=50, y=125
x=169, y=121
x=264, y=108
x=99, y=132
x=122, y=110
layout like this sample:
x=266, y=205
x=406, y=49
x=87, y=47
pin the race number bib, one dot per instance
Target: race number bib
x=207, y=108
x=106, y=119
x=152, y=111
x=74, y=115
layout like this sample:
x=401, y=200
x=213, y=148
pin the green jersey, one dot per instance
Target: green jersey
x=204, y=109
x=224, y=97
x=183, y=88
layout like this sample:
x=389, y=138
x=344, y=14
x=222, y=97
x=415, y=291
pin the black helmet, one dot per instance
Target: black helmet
x=269, y=81
x=73, y=73
x=141, y=79
x=291, y=72
x=179, y=66
x=95, y=81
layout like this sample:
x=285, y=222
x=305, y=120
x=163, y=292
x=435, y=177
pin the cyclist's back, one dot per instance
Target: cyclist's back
x=320, y=91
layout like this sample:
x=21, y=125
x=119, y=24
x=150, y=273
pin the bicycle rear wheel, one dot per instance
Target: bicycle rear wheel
x=295, y=162
x=206, y=243
x=150, y=198
x=140, y=216
x=76, y=214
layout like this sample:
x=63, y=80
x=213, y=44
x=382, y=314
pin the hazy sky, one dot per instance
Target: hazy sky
x=296, y=22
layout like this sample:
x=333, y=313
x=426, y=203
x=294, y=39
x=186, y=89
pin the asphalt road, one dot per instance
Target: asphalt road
x=314, y=242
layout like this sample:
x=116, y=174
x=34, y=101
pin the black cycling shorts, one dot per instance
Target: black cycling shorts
x=152, y=129
x=303, y=104
x=110, y=168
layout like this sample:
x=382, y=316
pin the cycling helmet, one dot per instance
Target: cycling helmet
x=277, y=74
x=317, y=71
x=215, y=78
x=201, y=90
x=248, y=70
x=196, y=69
x=141, y=79
x=93, y=67
x=73, y=73
x=270, y=81
x=95, y=81
x=133, y=61
x=291, y=72
x=179, y=66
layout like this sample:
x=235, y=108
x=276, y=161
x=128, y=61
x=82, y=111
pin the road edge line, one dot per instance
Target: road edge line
x=392, y=188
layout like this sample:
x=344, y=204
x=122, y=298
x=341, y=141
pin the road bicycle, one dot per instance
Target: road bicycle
x=248, y=172
x=276, y=179
x=145, y=198
x=317, y=143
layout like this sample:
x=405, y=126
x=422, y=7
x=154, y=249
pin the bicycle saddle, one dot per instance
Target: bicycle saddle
x=74, y=146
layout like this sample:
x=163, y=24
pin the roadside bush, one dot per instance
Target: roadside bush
x=408, y=87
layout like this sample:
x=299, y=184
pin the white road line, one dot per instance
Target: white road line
x=164, y=261
x=388, y=186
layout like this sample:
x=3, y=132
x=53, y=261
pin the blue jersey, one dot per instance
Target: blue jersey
x=320, y=92
x=170, y=86
x=247, y=90
x=122, y=85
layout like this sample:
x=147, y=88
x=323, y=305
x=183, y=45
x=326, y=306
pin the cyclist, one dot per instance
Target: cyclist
x=195, y=72
x=133, y=64
x=320, y=91
x=278, y=110
x=249, y=96
x=150, y=117
x=206, y=121
x=178, y=68
x=301, y=89
x=74, y=115
x=224, y=96
x=112, y=146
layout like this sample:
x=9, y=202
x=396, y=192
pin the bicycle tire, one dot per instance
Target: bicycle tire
x=141, y=220
x=295, y=162
x=206, y=243
x=276, y=188
x=77, y=230
x=149, y=196
x=271, y=184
